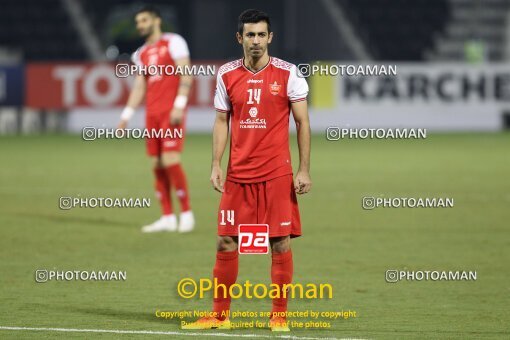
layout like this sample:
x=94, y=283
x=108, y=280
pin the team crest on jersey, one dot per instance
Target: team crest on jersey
x=274, y=88
x=163, y=51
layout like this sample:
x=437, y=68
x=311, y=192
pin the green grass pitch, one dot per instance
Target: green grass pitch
x=343, y=244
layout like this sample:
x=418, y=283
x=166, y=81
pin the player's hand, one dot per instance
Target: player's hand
x=302, y=182
x=217, y=178
x=122, y=125
x=176, y=116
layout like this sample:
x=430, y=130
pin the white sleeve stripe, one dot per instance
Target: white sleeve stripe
x=221, y=110
x=298, y=100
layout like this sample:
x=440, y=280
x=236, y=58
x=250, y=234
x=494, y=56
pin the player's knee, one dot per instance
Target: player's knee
x=156, y=162
x=226, y=243
x=170, y=158
x=280, y=244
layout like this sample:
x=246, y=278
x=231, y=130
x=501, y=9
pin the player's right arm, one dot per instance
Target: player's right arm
x=135, y=99
x=220, y=132
x=220, y=137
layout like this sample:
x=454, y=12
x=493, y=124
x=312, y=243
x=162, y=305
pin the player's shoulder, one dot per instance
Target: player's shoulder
x=282, y=64
x=140, y=50
x=230, y=66
x=169, y=36
x=137, y=54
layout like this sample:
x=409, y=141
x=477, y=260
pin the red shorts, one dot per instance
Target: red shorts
x=161, y=122
x=271, y=202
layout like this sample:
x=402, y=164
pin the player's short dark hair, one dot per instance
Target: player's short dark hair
x=253, y=16
x=151, y=9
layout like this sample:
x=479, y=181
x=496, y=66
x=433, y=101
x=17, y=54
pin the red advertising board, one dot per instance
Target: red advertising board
x=70, y=85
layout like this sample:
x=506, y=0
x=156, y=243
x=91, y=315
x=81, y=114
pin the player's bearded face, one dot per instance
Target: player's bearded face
x=145, y=24
x=255, y=39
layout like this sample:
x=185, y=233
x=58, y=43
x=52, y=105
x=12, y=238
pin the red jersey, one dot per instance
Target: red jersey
x=258, y=104
x=161, y=88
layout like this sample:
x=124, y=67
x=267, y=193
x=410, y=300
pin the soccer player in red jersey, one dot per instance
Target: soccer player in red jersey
x=254, y=96
x=166, y=96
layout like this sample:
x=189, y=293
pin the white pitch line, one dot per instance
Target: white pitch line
x=118, y=331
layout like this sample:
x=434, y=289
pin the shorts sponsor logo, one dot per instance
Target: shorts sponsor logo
x=284, y=224
x=253, y=239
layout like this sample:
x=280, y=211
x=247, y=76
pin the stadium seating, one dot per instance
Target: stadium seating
x=476, y=21
x=41, y=29
x=397, y=29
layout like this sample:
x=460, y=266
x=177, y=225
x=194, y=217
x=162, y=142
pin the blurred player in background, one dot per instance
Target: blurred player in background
x=166, y=99
x=255, y=96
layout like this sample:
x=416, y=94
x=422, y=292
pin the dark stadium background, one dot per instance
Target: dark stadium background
x=459, y=51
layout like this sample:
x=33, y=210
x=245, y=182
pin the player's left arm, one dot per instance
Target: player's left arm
x=179, y=51
x=181, y=100
x=302, y=181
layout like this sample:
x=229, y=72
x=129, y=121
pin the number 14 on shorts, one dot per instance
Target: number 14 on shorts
x=227, y=217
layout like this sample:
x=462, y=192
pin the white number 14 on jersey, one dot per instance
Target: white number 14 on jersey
x=253, y=94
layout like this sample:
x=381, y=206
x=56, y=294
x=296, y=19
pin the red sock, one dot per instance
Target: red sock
x=163, y=190
x=178, y=181
x=281, y=273
x=225, y=271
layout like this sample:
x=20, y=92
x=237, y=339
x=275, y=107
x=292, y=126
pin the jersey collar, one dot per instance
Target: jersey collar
x=262, y=69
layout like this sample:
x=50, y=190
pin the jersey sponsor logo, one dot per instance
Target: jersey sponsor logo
x=253, y=239
x=255, y=81
x=275, y=88
x=253, y=112
x=257, y=123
